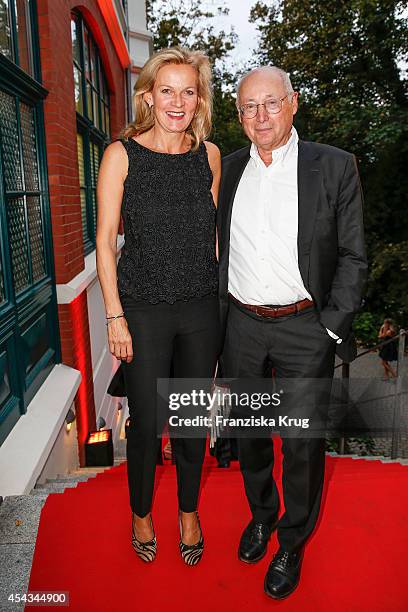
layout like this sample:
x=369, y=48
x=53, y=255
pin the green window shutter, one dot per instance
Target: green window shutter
x=11, y=151
x=18, y=240
x=29, y=340
x=36, y=235
x=29, y=147
x=83, y=189
x=2, y=290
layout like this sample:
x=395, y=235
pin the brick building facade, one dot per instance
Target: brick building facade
x=65, y=89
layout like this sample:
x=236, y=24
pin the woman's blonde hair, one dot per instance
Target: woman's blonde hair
x=200, y=127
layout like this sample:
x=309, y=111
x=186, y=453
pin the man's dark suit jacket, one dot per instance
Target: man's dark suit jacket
x=331, y=250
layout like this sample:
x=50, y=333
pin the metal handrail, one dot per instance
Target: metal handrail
x=377, y=346
x=345, y=374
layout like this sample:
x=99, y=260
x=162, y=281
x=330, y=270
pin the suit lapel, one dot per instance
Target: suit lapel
x=231, y=182
x=309, y=180
x=231, y=175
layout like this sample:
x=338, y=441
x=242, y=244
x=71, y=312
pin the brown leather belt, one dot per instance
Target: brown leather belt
x=272, y=311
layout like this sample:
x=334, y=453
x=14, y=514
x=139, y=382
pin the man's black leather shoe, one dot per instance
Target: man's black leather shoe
x=254, y=541
x=283, y=574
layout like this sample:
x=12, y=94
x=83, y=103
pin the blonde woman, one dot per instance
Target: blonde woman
x=161, y=302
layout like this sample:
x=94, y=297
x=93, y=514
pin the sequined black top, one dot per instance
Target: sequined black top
x=169, y=221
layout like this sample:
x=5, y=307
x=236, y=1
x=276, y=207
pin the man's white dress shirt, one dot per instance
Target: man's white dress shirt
x=263, y=261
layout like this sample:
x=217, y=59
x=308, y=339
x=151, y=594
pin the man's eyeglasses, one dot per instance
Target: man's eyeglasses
x=272, y=107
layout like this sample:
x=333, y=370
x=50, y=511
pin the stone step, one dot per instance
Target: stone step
x=84, y=471
x=57, y=485
x=51, y=488
x=15, y=563
x=19, y=518
x=119, y=460
x=69, y=478
x=373, y=457
x=380, y=458
x=120, y=448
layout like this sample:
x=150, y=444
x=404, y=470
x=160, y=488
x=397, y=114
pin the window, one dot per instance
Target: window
x=92, y=105
x=89, y=155
x=29, y=341
x=16, y=17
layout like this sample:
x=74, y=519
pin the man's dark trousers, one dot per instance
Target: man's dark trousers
x=297, y=347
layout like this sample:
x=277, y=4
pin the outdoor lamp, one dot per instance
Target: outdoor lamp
x=99, y=448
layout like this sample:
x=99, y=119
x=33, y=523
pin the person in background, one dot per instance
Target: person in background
x=161, y=302
x=389, y=352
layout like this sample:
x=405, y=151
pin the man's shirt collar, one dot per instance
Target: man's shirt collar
x=280, y=154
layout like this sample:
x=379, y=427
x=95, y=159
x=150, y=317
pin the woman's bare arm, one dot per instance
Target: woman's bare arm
x=112, y=174
x=214, y=159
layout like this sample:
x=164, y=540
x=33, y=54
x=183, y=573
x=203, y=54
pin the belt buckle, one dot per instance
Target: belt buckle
x=258, y=311
x=273, y=311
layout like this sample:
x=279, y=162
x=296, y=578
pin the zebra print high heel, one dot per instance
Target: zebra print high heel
x=191, y=553
x=146, y=551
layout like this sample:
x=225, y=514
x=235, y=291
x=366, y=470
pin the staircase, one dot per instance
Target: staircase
x=370, y=458
x=19, y=520
x=20, y=515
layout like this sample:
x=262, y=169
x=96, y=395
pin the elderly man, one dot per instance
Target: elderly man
x=292, y=270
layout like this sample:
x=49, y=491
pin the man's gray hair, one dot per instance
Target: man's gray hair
x=273, y=70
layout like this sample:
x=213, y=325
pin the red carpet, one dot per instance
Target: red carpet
x=355, y=561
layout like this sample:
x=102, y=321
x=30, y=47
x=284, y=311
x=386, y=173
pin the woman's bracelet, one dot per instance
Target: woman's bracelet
x=112, y=318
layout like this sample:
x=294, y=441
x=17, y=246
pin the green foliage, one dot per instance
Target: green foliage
x=227, y=132
x=389, y=265
x=360, y=446
x=191, y=24
x=366, y=327
x=332, y=445
x=346, y=62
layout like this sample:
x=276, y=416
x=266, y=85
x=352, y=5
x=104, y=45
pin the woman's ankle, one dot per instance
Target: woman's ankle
x=190, y=527
x=143, y=527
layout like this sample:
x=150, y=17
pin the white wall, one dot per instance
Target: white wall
x=140, y=40
x=139, y=49
x=63, y=457
x=137, y=14
x=39, y=435
x=104, y=365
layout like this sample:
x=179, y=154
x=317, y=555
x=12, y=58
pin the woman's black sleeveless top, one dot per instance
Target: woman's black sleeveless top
x=169, y=221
